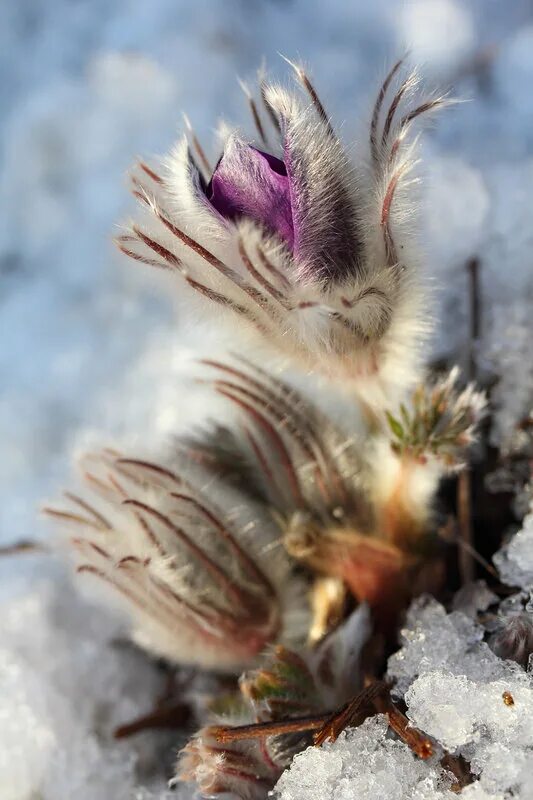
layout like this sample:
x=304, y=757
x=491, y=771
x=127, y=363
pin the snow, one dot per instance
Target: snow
x=94, y=349
x=362, y=763
x=472, y=718
x=455, y=689
x=440, y=33
x=471, y=702
x=509, y=354
x=66, y=681
x=515, y=559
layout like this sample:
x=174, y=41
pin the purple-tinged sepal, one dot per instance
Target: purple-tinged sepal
x=328, y=241
x=250, y=183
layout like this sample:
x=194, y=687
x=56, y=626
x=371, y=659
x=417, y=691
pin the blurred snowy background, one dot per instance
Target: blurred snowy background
x=90, y=343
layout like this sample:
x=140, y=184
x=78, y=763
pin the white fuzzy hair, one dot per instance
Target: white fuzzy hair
x=199, y=569
x=349, y=303
x=319, y=481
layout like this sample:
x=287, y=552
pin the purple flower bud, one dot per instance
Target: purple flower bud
x=250, y=183
x=307, y=199
x=308, y=251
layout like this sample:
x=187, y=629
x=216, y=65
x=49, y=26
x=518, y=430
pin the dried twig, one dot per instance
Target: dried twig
x=328, y=726
x=227, y=733
x=464, y=519
x=173, y=716
x=464, y=483
x=449, y=534
x=23, y=546
x=353, y=713
x=473, y=268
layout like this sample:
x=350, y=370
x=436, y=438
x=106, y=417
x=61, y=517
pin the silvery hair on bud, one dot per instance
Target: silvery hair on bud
x=313, y=254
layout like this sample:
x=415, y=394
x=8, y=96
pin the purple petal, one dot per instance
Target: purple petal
x=250, y=183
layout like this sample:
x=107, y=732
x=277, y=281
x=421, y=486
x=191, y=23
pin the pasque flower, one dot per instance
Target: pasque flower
x=217, y=551
x=200, y=572
x=312, y=253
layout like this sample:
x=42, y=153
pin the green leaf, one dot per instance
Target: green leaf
x=405, y=415
x=395, y=426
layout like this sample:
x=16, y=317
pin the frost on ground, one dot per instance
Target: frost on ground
x=466, y=678
x=366, y=763
x=470, y=701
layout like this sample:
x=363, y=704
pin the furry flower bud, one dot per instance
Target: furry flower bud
x=308, y=251
x=357, y=510
x=440, y=423
x=198, y=571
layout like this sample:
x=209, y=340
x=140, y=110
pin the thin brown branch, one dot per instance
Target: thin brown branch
x=417, y=741
x=473, y=268
x=464, y=483
x=174, y=716
x=459, y=769
x=354, y=712
x=226, y=733
x=464, y=519
x=374, y=697
x=449, y=534
x=23, y=546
